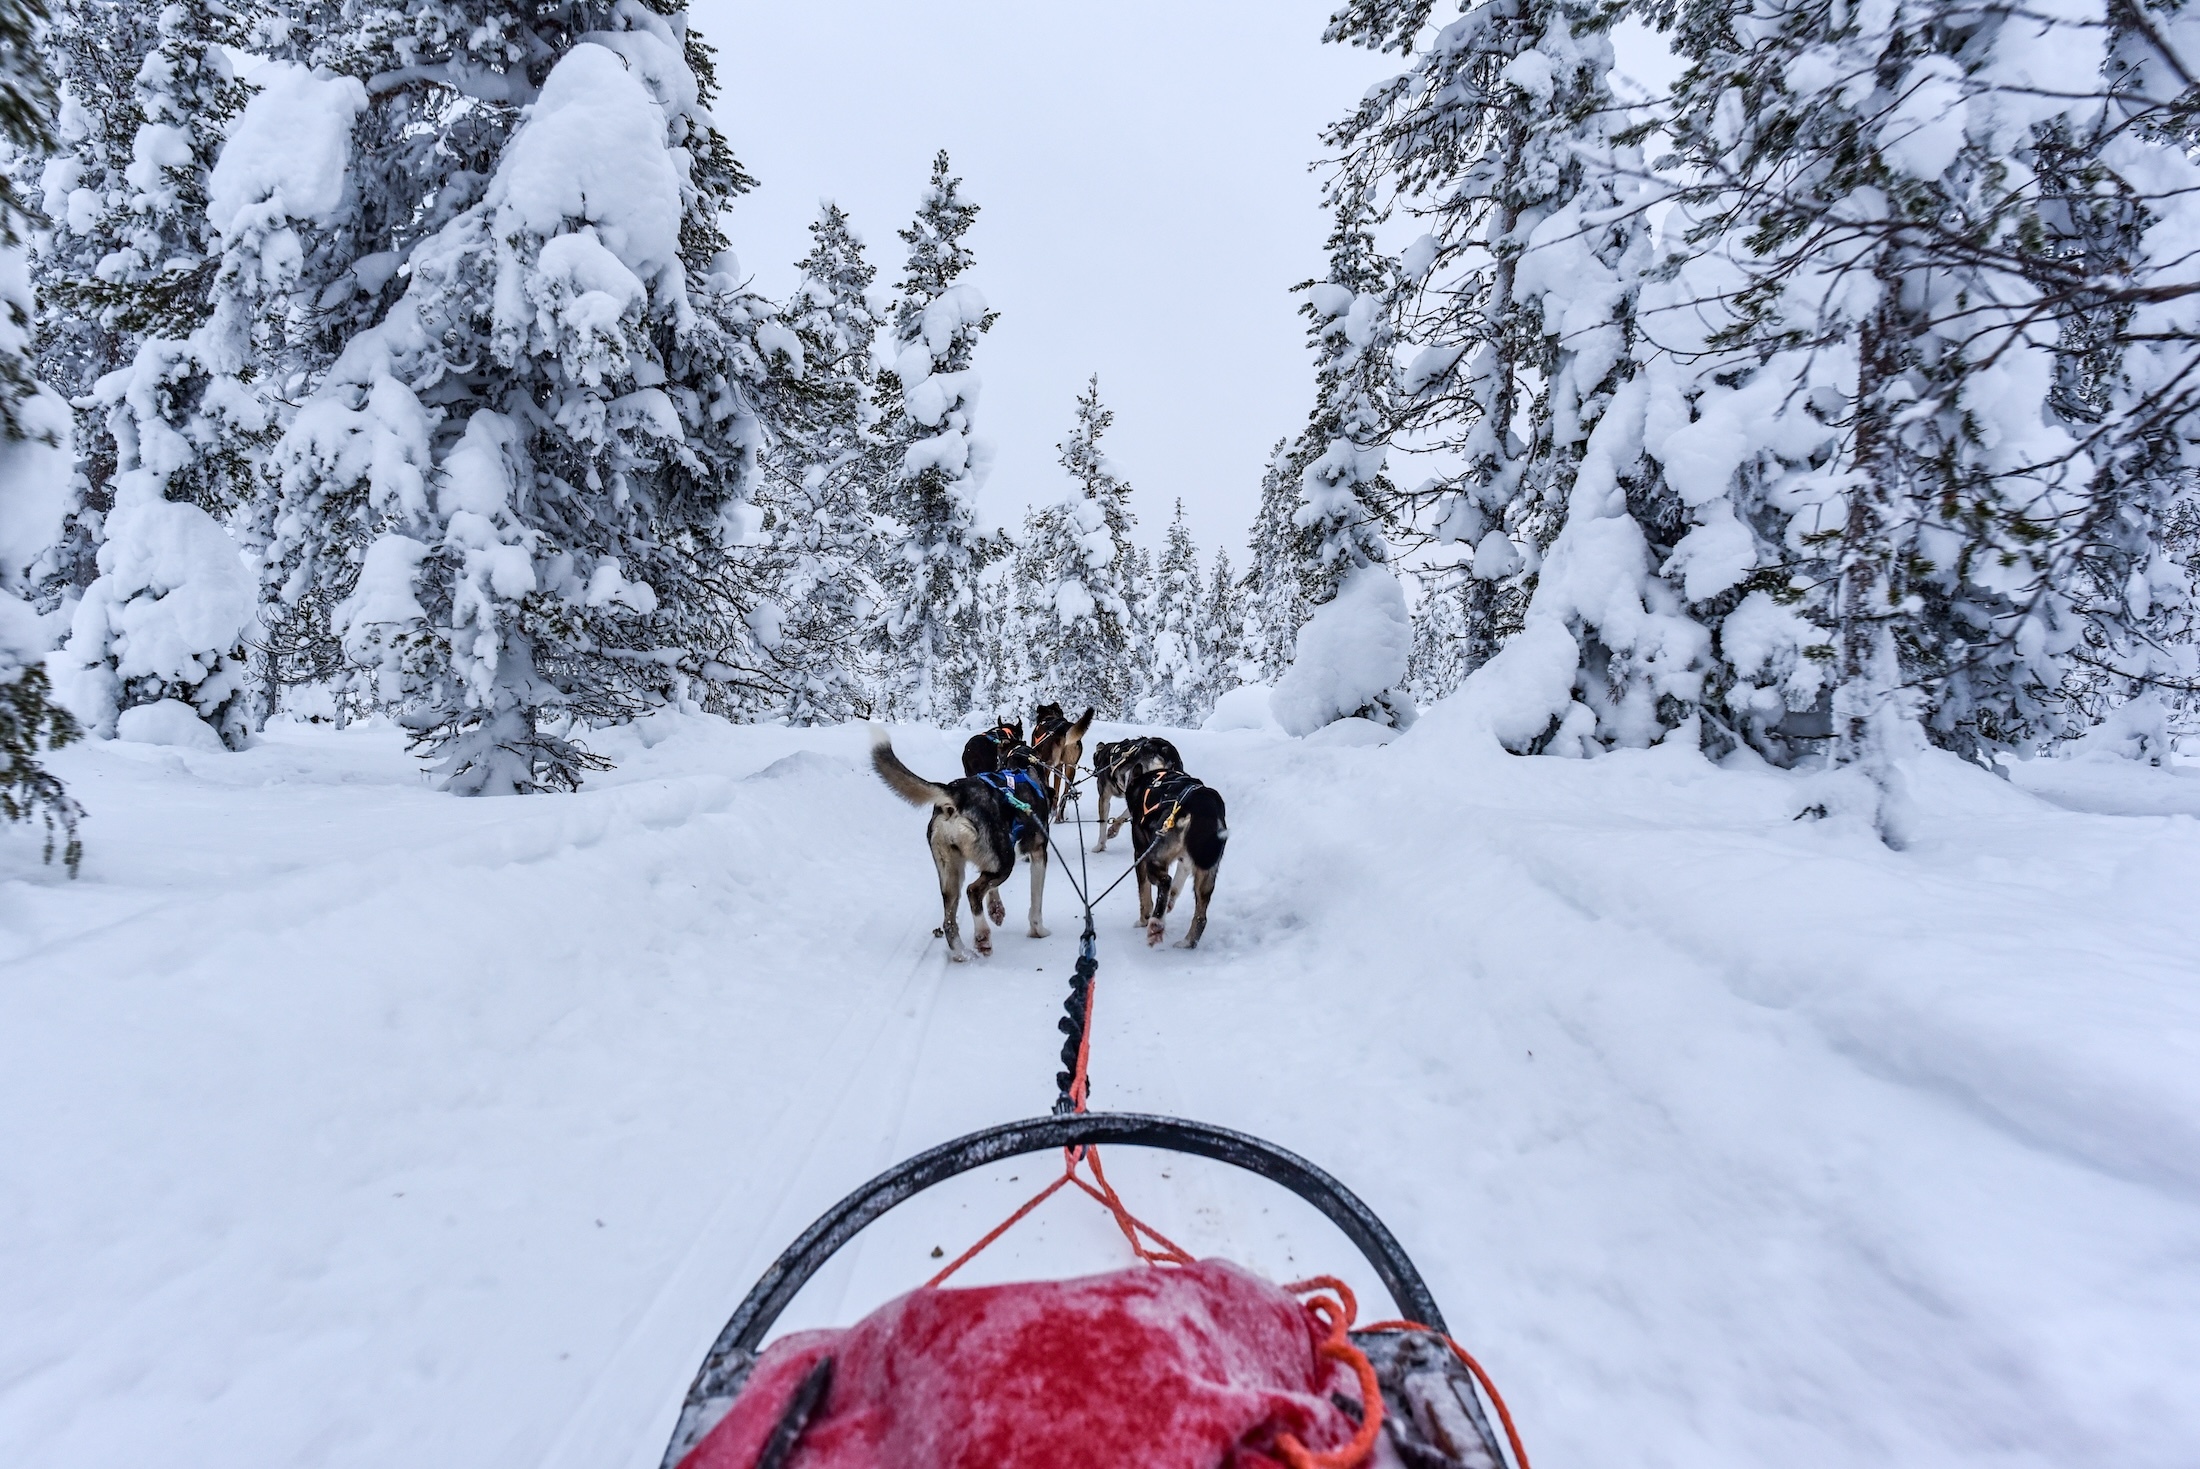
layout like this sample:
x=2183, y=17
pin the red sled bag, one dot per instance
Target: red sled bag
x=1199, y=1367
x=1176, y=1364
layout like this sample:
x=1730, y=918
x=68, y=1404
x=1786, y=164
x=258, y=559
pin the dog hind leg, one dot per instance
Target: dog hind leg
x=1203, y=889
x=980, y=889
x=951, y=878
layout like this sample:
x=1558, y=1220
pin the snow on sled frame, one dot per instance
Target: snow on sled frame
x=1437, y=1418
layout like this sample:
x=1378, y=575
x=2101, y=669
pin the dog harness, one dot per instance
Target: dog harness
x=1041, y=733
x=1006, y=781
x=1170, y=789
x=1001, y=738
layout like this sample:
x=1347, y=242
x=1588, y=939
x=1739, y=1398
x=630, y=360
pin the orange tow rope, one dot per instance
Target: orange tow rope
x=1336, y=1312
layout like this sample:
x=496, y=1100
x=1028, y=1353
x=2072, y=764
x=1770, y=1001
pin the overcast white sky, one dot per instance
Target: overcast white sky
x=1142, y=169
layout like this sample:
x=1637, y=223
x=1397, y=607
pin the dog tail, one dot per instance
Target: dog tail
x=1077, y=730
x=903, y=781
x=1207, y=828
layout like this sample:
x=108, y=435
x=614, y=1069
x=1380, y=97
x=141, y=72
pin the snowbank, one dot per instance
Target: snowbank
x=168, y=722
x=1244, y=707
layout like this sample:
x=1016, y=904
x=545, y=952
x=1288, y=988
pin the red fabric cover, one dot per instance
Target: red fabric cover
x=1159, y=1368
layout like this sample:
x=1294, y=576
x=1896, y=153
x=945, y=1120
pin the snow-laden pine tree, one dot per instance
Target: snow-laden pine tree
x=1176, y=670
x=1067, y=619
x=1218, y=642
x=127, y=253
x=931, y=464
x=1918, y=374
x=814, y=490
x=1274, y=589
x=1501, y=139
x=1349, y=658
x=1085, y=652
x=1444, y=636
x=524, y=491
x=34, y=467
x=133, y=272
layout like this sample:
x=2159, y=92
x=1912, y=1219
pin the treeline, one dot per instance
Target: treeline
x=1841, y=400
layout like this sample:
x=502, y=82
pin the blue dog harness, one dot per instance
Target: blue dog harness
x=1006, y=781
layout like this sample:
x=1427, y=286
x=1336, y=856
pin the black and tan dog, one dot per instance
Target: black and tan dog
x=1061, y=744
x=1179, y=823
x=1113, y=765
x=981, y=820
x=982, y=752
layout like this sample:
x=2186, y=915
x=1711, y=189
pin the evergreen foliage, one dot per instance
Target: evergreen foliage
x=814, y=490
x=930, y=464
x=1178, y=677
x=523, y=493
x=32, y=424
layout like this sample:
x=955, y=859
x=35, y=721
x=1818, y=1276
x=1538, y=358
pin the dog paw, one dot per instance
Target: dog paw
x=985, y=944
x=1041, y=931
x=957, y=956
x=995, y=907
x=1187, y=943
x=1101, y=848
x=1153, y=935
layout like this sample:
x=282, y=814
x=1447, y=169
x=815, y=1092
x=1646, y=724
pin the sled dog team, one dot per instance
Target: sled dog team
x=1011, y=792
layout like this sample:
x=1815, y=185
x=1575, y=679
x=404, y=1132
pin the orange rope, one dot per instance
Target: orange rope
x=1337, y=1315
x=1497, y=1400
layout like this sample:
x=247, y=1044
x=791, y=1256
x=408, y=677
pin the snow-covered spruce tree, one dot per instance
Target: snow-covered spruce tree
x=33, y=469
x=127, y=254
x=1274, y=589
x=1177, y=677
x=1502, y=137
x=191, y=415
x=525, y=489
x=817, y=516
x=931, y=464
x=1218, y=642
x=1088, y=654
x=1914, y=383
x=1349, y=660
x=1069, y=626
x=1443, y=635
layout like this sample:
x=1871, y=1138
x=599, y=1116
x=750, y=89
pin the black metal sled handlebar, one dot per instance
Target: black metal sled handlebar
x=841, y=1223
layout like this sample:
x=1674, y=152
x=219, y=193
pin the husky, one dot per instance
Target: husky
x=983, y=751
x=982, y=820
x=1176, y=822
x=1113, y=765
x=1060, y=745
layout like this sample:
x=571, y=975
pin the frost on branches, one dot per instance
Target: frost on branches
x=520, y=490
x=932, y=464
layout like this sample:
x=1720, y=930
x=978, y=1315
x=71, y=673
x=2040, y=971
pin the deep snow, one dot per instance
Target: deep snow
x=346, y=1123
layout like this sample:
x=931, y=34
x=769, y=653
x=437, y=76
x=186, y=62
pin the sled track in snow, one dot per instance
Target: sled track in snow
x=715, y=1268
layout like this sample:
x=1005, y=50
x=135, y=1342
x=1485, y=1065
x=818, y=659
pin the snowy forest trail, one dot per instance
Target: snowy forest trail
x=347, y=1124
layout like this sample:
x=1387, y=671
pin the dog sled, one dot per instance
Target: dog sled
x=1192, y=1365
x=1176, y=1363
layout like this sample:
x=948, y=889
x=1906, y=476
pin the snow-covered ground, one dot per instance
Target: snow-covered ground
x=346, y=1123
